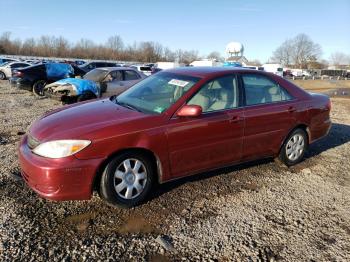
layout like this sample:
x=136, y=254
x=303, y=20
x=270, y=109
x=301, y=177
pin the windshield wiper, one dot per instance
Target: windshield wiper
x=132, y=107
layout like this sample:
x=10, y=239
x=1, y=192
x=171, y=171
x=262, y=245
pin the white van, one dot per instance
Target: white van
x=276, y=69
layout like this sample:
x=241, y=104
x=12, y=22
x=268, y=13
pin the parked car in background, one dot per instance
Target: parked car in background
x=5, y=60
x=6, y=68
x=92, y=65
x=156, y=70
x=34, y=78
x=147, y=70
x=98, y=82
x=172, y=124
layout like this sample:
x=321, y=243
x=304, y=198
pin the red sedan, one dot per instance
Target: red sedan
x=172, y=124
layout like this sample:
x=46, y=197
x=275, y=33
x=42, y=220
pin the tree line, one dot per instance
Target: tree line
x=297, y=52
x=113, y=49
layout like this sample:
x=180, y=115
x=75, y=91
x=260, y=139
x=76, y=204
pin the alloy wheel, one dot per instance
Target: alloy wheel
x=130, y=178
x=295, y=147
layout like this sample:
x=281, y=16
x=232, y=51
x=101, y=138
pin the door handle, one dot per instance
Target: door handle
x=236, y=119
x=291, y=109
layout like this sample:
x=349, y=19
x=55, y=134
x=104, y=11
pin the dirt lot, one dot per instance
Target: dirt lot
x=254, y=212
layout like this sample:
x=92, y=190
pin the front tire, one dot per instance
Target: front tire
x=127, y=180
x=294, y=147
x=86, y=96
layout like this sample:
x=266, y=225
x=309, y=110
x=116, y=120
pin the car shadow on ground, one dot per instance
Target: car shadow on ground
x=339, y=134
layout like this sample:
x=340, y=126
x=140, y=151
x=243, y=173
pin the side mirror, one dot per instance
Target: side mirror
x=189, y=111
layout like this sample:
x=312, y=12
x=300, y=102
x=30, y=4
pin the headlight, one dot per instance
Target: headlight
x=60, y=148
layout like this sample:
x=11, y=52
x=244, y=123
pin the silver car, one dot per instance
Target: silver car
x=114, y=80
x=6, y=68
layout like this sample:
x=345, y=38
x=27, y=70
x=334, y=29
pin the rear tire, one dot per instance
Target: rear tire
x=127, y=180
x=86, y=96
x=2, y=76
x=294, y=147
x=38, y=88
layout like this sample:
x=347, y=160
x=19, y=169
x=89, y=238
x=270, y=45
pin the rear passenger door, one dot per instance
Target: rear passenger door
x=130, y=78
x=269, y=114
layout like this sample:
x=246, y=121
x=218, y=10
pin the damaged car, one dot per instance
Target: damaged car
x=35, y=78
x=71, y=90
x=99, y=82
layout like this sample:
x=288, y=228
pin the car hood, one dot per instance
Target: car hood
x=81, y=120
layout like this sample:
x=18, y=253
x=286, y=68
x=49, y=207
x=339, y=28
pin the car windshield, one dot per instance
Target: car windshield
x=156, y=93
x=96, y=75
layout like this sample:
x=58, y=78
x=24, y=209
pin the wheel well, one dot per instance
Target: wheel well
x=146, y=152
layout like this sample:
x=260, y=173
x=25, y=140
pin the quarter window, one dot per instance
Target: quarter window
x=260, y=89
x=219, y=94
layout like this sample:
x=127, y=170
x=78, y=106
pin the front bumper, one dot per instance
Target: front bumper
x=66, y=178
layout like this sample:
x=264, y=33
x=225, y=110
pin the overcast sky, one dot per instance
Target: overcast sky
x=261, y=26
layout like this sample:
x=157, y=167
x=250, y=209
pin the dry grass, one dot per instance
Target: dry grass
x=322, y=85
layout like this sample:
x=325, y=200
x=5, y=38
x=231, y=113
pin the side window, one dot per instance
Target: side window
x=91, y=66
x=18, y=65
x=117, y=75
x=130, y=75
x=260, y=89
x=218, y=94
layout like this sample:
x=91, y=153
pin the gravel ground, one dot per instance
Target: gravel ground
x=260, y=211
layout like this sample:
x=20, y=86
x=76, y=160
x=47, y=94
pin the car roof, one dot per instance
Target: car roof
x=112, y=68
x=205, y=71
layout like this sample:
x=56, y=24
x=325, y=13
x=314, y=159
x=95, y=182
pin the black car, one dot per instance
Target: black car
x=34, y=78
x=92, y=65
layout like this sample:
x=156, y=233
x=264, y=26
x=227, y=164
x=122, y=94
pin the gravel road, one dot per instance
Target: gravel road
x=260, y=211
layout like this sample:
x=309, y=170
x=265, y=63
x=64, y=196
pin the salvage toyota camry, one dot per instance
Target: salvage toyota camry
x=173, y=124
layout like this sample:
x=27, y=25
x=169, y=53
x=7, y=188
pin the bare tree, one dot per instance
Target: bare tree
x=62, y=46
x=116, y=44
x=283, y=54
x=339, y=58
x=29, y=47
x=215, y=55
x=298, y=51
x=5, y=41
x=168, y=55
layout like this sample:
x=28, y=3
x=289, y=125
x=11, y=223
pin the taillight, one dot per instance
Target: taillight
x=18, y=74
x=329, y=105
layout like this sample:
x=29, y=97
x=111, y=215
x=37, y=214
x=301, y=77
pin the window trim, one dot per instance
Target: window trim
x=244, y=104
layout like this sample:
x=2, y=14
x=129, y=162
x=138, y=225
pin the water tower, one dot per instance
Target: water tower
x=235, y=50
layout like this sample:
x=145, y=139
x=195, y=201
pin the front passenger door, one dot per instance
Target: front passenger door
x=214, y=138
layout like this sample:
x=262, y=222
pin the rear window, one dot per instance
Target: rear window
x=145, y=68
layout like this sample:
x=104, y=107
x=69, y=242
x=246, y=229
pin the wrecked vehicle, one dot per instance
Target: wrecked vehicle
x=71, y=90
x=34, y=78
x=99, y=82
